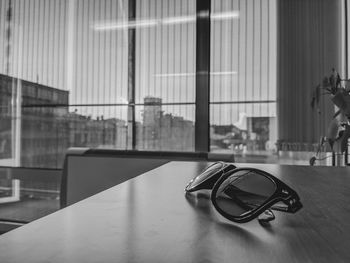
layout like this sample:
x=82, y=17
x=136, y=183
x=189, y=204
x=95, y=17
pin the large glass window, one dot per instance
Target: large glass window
x=130, y=64
x=128, y=68
x=243, y=78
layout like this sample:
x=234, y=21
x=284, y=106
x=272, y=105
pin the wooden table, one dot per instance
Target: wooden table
x=149, y=219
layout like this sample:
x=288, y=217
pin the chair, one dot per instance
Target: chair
x=89, y=171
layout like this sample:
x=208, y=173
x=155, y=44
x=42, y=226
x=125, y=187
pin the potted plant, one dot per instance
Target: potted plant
x=338, y=131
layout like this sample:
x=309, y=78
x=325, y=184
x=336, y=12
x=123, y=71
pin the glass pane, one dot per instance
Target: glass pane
x=234, y=131
x=165, y=67
x=243, y=79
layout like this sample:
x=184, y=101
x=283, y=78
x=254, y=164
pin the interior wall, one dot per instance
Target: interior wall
x=309, y=46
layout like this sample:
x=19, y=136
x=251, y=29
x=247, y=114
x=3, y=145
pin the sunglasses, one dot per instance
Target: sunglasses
x=242, y=194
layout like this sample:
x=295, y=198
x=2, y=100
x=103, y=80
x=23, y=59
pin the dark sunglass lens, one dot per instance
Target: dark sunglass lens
x=244, y=191
x=207, y=173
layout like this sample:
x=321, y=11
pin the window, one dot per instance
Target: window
x=243, y=77
x=165, y=67
x=123, y=76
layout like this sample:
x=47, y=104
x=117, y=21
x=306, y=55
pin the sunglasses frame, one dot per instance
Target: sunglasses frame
x=283, y=193
x=209, y=182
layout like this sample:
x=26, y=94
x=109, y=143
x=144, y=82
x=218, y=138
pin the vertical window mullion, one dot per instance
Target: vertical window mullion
x=131, y=77
x=202, y=76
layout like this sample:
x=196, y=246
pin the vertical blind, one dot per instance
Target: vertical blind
x=37, y=41
x=165, y=53
x=243, y=60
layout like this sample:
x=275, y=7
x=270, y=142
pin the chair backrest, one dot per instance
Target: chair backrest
x=89, y=171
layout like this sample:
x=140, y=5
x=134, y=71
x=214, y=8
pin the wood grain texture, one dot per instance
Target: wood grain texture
x=149, y=219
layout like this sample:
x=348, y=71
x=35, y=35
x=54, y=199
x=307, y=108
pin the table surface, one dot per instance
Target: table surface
x=149, y=219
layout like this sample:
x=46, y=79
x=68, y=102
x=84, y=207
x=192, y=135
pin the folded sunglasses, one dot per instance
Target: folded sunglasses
x=242, y=194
